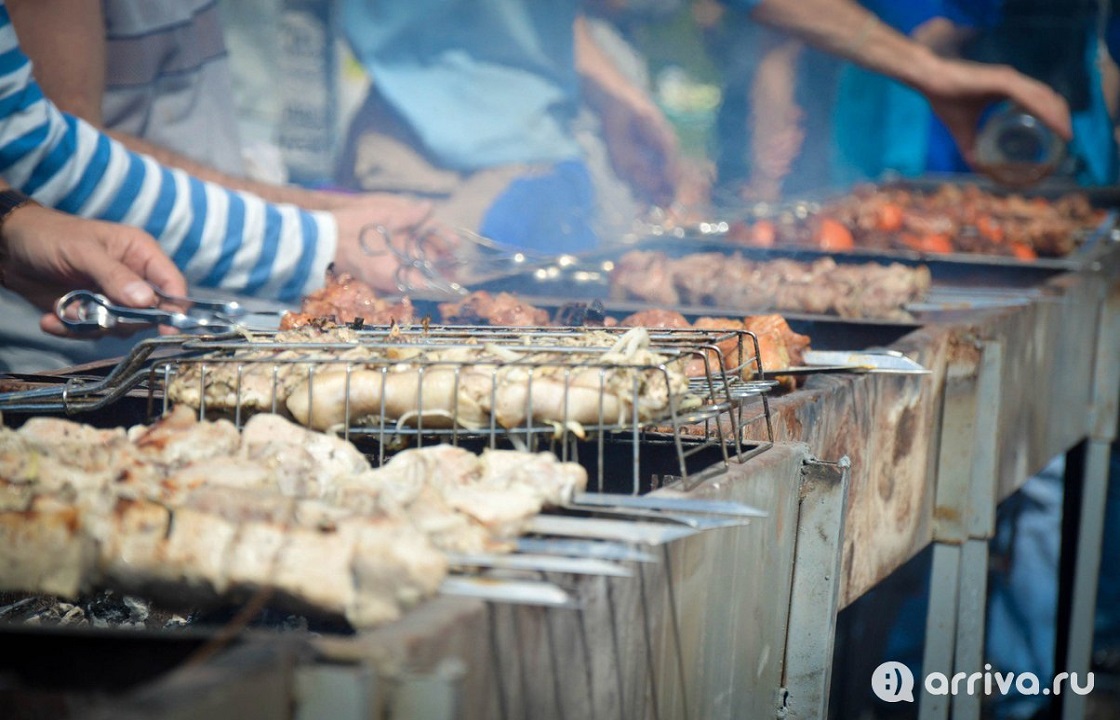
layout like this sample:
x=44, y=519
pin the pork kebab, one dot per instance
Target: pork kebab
x=192, y=511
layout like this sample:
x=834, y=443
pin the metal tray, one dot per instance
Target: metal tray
x=712, y=234
x=586, y=278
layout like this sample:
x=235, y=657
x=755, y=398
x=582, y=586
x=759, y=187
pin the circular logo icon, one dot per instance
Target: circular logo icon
x=893, y=682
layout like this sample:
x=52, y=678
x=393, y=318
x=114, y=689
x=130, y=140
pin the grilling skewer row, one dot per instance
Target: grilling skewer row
x=192, y=509
x=577, y=380
x=196, y=507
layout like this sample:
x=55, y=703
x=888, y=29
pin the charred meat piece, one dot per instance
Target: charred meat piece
x=964, y=218
x=645, y=275
x=577, y=314
x=778, y=345
x=482, y=308
x=656, y=319
x=823, y=287
x=347, y=299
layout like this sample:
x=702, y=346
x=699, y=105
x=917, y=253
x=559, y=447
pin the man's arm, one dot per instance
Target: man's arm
x=218, y=237
x=66, y=41
x=295, y=195
x=641, y=143
x=958, y=91
x=775, y=119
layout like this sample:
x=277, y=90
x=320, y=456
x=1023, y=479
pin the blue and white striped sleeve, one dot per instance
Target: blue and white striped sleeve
x=217, y=237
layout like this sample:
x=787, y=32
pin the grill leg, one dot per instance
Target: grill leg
x=815, y=596
x=941, y=625
x=964, y=521
x=1086, y=567
x=1087, y=554
x=971, y=618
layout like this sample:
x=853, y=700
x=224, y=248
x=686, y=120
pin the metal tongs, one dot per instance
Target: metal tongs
x=477, y=258
x=88, y=311
x=413, y=258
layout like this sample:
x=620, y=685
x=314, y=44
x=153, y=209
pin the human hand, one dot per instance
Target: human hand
x=641, y=143
x=373, y=237
x=44, y=254
x=693, y=202
x=960, y=91
x=775, y=145
x=942, y=36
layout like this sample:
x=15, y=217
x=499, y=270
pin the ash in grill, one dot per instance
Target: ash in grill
x=535, y=388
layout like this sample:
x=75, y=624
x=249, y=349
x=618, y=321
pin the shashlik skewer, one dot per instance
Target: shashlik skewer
x=195, y=511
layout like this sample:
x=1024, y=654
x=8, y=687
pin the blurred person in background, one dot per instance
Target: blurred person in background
x=766, y=122
x=217, y=237
x=881, y=126
x=154, y=74
x=870, y=124
x=471, y=104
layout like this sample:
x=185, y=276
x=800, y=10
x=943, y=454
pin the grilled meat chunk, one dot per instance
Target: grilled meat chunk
x=191, y=510
x=823, y=287
x=347, y=299
x=482, y=308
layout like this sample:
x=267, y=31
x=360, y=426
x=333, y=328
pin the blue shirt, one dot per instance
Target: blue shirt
x=881, y=125
x=480, y=82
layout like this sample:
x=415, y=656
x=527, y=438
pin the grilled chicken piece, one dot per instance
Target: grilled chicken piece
x=394, y=567
x=482, y=308
x=195, y=552
x=656, y=319
x=224, y=472
x=404, y=488
x=347, y=299
x=252, y=556
x=778, y=345
x=44, y=549
x=130, y=539
x=301, y=461
x=452, y=475
x=178, y=439
x=186, y=509
x=549, y=480
x=728, y=348
x=58, y=454
x=499, y=491
x=260, y=380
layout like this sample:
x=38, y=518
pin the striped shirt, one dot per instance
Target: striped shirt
x=217, y=237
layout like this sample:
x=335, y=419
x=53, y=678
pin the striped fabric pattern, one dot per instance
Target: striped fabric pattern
x=217, y=237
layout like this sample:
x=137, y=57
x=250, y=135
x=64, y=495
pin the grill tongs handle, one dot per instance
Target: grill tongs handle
x=87, y=311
